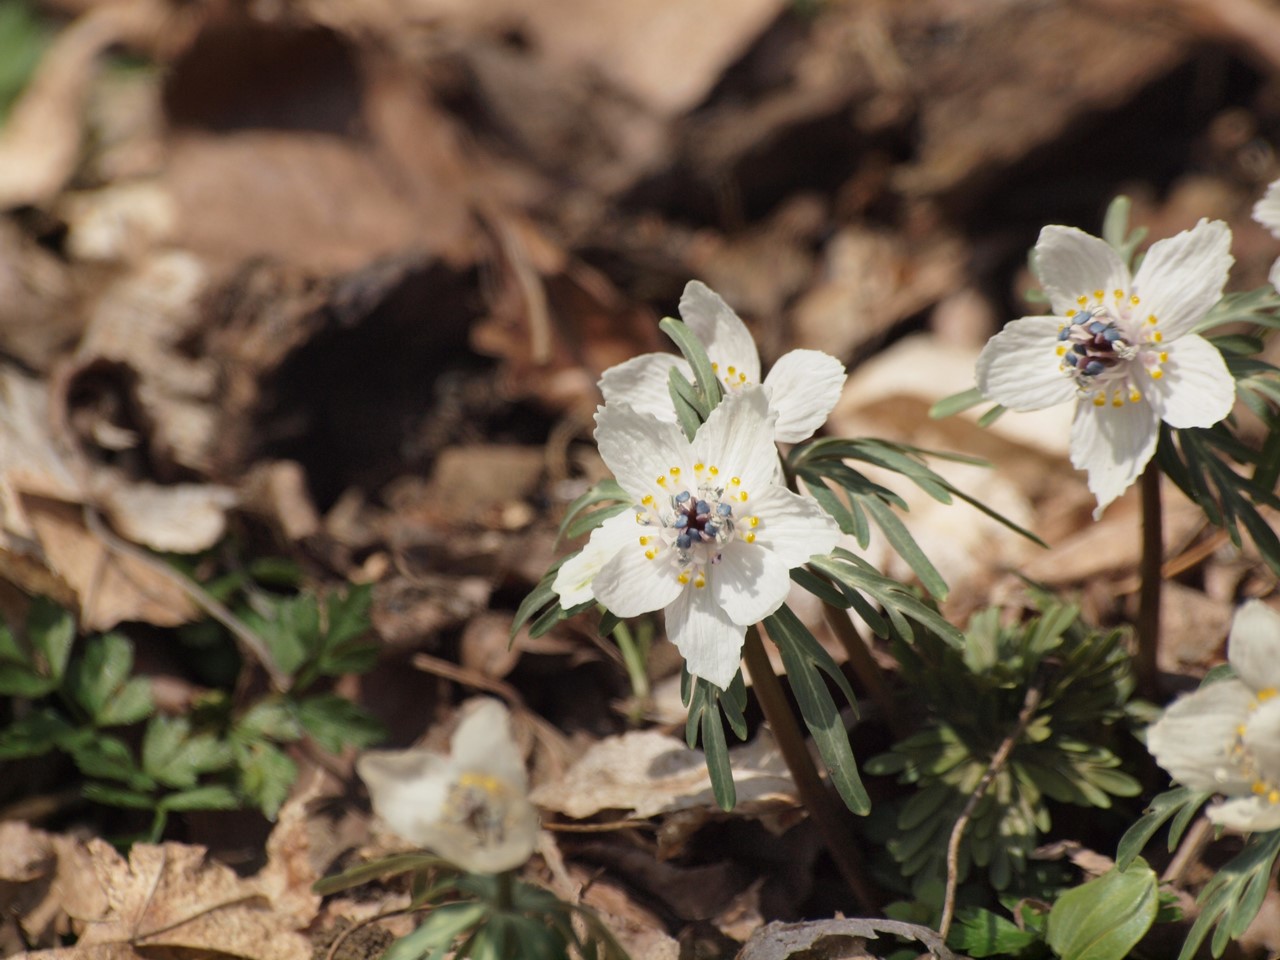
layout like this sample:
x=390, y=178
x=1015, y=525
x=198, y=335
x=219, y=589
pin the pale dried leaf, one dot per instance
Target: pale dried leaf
x=182, y=518
x=780, y=941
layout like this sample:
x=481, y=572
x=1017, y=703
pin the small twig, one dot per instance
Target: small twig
x=341, y=938
x=865, y=667
x=250, y=642
x=1193, y=842
x=826, y=813
x=1145, y=664
x=1029, y=704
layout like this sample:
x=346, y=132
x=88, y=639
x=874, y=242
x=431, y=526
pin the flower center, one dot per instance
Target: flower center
x=696, y=521
x=732, y=378
x=482, y=805
x=1106, y=344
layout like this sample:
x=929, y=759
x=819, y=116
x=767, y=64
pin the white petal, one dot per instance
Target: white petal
x=639, y=448
x=631, y=584
x=1182, y=277
x=803, y=386
x=1020, y=368
x=407, y=788
x=1114, y=445
x=1254, y=645
x=1262, y=740
x=794, y=527
x=738, y=439
x=749, y=582
x=483, y=742
x=709, y=641
x=726, y=338
x=1193, y=739
x=574, y=578
x=1267, y=210
x=1274, y=276
x=641, y=383
x=1245, y=814
x=1072, y=264
x=1196, y=390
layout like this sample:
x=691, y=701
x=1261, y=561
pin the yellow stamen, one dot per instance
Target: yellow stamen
x=1062, y=349
x=714, y=471
x=1152, y=320
x=749, y=537
x=700, y=582
x=1117, y=401
x=742, y=378
x=683, y=577
x=647, y=499
x=1157, y=373
x=753, y=522
x=1266, y=693
x=662, y=480
x=485, y=782
x=1069, y=314
x=1259, y=787
x=733, y=371
x=1099, y=400
x=1164, y=356
x=1082, y=299
x=1157, y=337
x=650, y=553
x=644, y=541
x=1135, y=300
x=736, y=481
x=1118, y=294
x=1134, y=395
x=674, y=471
x=1097, y=294
x=715, y=368
x=743, y=496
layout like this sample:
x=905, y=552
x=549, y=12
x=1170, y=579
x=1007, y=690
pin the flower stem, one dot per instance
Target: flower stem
x=865, y=667
x=506, y=890
x=635, y=655
x=1145, y=666
x=826, y=813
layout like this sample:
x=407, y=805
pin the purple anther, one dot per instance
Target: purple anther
x=1093, y=368
x=682, y=496
x=724, y=509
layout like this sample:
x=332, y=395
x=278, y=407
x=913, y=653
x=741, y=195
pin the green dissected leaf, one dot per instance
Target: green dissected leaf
x=438, y=932
x=109, y=758
x=806, y=663
x=99, y=681
x=981, y=933
x=34, y=734
x=266, y=774
x=1231, y=900
x=290, y=628
x=907, y=548
x=336, y=722
x=175, y=757
x=270, y=719
x=36, y=668
x=111, y=796
x=1105, y=918
x=707, y=703
x=347, y=614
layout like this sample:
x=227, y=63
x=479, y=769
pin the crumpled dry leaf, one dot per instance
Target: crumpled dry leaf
x=182, y=518
x=172, y=895
x=40, y=142
x=780, y=941
x=649, y=773
x=45, y=879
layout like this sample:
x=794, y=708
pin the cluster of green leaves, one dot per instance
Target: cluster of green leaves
x=482, y=916
x=82, y=700
x=975, y=695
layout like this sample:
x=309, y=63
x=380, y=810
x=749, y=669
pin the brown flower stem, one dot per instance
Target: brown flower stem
x=1029, y=704
x=1144, y=664
x=817, y=799
x=865, y=668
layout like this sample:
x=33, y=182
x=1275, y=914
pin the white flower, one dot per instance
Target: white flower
x=1121, y=345
x=802, y=387
x=711, y=536
x=1267, y=212
x=472, y=807
x=1226, y=736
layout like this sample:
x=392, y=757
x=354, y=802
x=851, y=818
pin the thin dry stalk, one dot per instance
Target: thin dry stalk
x=1144, y=665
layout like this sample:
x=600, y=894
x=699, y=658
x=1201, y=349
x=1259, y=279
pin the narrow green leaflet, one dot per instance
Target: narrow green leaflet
x=1105, y=918
x=956, y=403
x=691, y=408
x=704, y=377
x=1180, y=803
x=807, y=663
x=438, y=932
x=707, y=703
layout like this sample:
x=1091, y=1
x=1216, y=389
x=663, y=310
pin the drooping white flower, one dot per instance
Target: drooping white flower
x=802, y=387
x=712, y=534
x=471, y=807
x=1267, y=212
x=1120, y=346
x=1225, y=737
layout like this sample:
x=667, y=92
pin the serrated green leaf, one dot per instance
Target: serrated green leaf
x=1105, y=918
x=266, y=775
x=109, y=758
x=35, y=734
x=97, y=676
x=290, y=628
x=335, y=722
x=981, y=933
x=131, y=703
x=268, y=719
x=176, y=758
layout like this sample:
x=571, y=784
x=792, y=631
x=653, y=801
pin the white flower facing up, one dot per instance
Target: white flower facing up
x=802, y=387
x=1120, y=346
x=1267, y=212
x=711, y=535
x=1225, y=737
x=472, y=807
